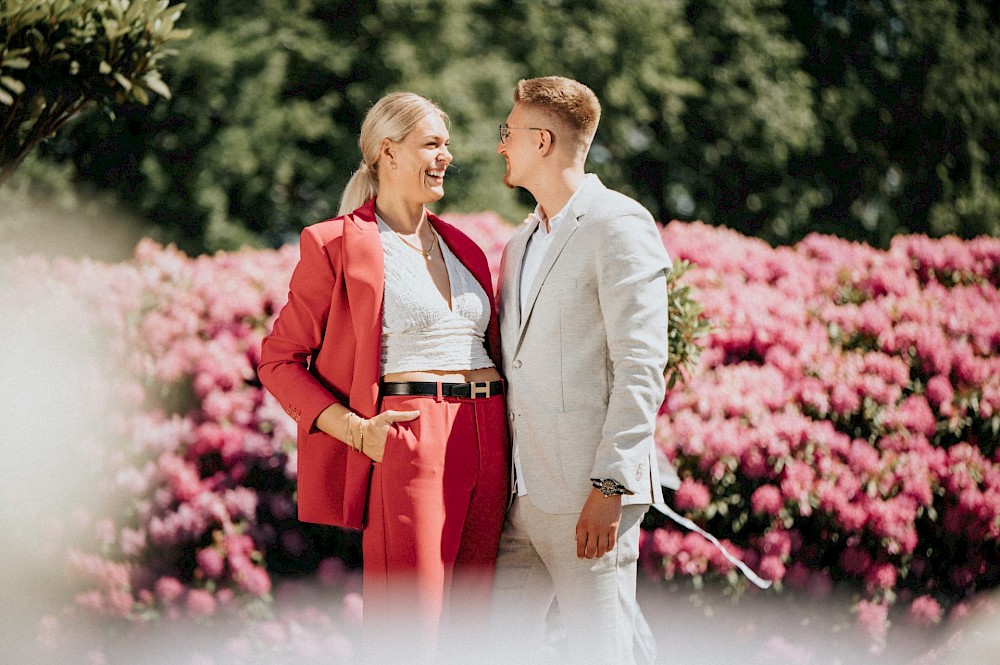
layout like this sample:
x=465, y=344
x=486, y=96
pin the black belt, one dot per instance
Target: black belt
x=474, y=389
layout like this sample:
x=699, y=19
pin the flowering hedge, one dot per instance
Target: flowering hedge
x=844, y=424
x=842, y=427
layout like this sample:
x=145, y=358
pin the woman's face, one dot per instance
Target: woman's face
x=421, y=159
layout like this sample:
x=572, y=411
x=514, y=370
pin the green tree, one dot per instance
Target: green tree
x=909, y=99
x=261, y=134
x=773, y=117
x=59, y=56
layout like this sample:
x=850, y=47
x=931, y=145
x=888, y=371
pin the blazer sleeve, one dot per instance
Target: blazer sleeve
x=632, y=268
x=297, y=334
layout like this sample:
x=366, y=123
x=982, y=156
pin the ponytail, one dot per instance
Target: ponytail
x=361, y=187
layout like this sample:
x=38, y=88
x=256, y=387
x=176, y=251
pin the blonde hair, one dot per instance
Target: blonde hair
x=571, y=104
x=392, y=117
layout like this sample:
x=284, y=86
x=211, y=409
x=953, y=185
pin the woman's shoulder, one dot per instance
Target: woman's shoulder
x=333, y=228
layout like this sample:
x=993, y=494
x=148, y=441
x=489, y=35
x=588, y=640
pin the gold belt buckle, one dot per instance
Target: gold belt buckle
x=480, y=389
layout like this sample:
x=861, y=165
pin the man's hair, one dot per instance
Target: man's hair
x=571, y=104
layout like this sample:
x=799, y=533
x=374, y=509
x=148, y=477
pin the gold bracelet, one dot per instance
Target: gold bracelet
x=361, y=434
x=350, y=432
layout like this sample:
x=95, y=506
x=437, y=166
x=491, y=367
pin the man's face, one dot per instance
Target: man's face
x=520, y=140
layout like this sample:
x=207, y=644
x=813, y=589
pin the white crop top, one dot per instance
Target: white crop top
x=419, y=332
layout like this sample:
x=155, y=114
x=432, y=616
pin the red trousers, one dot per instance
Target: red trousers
x=435, y=513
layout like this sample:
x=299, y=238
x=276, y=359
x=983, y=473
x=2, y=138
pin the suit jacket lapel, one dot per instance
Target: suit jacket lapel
x=565, y=231
x=364, y=272
x=510, y=284
x=574, y=215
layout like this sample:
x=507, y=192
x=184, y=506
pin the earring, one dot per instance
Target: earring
x=392, y=165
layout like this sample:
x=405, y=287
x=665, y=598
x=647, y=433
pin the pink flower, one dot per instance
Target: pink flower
x=211, y=562
x=132, y=542
x=873, y=617
x=169, y=589
x=766, y=500
x=881, y=576
x=691, y=495
x=772, y=568
x=924, y=611
x=120, y=602
x=200, y=603
x=940, y=393
x=254, y=580
x=777, y=542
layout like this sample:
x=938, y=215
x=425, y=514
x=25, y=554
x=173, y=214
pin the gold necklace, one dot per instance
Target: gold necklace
x=426, y=253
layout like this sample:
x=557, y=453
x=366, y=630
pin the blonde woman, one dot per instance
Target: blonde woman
x=386, y=354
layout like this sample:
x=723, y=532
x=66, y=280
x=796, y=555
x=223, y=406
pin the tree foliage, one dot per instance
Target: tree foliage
x=776, y=118
x=59, y=56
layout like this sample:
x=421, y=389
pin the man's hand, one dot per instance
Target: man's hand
x=597, y=528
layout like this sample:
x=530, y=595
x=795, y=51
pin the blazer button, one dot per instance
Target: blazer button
x=517, y=364
x=510, y=416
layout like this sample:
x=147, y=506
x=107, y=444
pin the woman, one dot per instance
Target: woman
x=386, y=355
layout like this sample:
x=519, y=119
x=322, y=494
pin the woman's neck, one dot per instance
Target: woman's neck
x=402, y=217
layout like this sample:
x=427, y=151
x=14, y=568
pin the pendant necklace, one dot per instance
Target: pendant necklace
x=426, y=253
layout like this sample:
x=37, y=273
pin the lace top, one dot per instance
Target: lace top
x=419, y=331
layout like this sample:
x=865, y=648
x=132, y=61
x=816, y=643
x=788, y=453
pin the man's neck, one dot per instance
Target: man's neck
x=553, y=193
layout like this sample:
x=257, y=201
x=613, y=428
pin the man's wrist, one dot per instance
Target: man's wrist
x=609, y=486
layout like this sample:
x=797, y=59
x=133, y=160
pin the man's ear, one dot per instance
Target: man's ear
x=547, y=142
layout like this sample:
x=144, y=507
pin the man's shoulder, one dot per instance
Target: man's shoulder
x=606, y=203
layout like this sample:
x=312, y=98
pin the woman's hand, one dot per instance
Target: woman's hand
x=376, y=430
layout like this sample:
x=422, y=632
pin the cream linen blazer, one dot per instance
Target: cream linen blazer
x=585, y=360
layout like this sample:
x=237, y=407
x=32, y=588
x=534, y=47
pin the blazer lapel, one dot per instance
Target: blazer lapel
x=589, y=189
x=565, y=231
x=510, y=278
x=364, y=272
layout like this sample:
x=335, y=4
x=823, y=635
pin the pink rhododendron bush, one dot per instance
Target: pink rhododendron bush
x=844, y=422
x=842, y=428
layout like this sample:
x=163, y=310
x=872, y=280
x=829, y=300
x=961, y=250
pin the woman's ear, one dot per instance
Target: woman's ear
x=387, y=150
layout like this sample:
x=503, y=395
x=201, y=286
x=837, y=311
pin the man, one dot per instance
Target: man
x=583, y=318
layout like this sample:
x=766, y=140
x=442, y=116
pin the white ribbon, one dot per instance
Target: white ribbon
x=685, y=522
x=669, y=479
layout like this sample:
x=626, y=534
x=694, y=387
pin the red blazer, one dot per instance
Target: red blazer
x=326, y=347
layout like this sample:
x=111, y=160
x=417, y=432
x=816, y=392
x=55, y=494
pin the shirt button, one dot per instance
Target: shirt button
x=517, y=364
